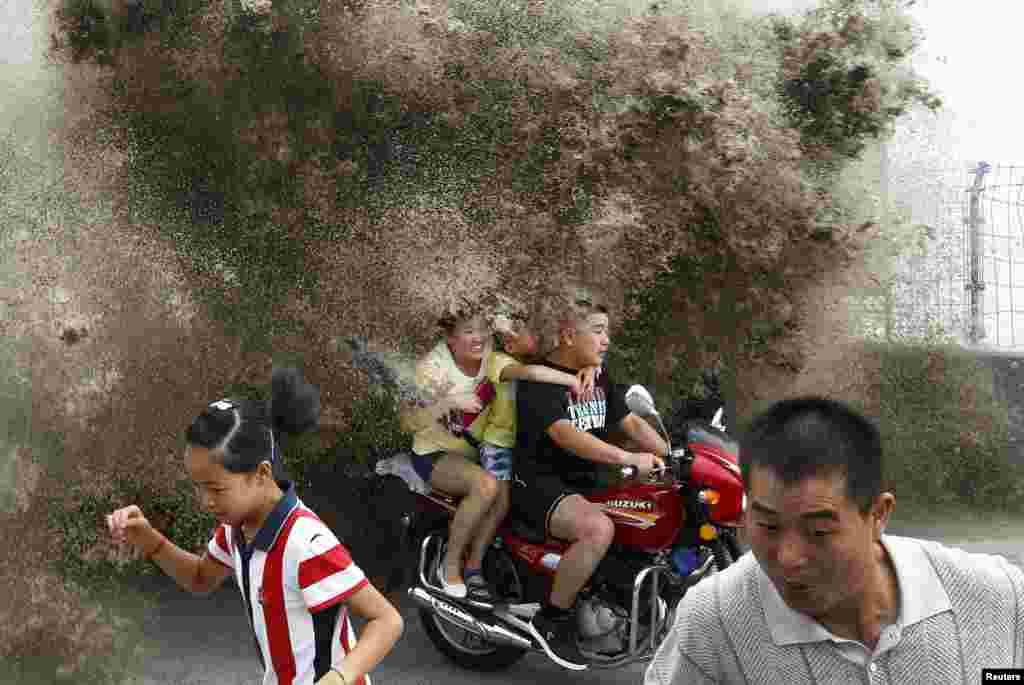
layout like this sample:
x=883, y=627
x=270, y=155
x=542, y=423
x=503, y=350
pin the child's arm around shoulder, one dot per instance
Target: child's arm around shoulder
x=506, y=368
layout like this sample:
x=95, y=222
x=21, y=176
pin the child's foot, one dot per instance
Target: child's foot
x=477, y=588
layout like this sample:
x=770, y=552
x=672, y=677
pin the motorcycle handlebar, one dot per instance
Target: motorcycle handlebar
x=632, y=472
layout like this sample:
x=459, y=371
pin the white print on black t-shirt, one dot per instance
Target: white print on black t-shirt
x=589, y=415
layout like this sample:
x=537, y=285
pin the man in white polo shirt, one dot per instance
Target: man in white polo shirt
x=825, y=596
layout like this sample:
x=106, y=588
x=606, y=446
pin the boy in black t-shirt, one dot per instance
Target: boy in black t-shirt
x=542, y=458
x=560, y=440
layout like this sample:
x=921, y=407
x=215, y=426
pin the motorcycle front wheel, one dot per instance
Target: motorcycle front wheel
x=463, y=647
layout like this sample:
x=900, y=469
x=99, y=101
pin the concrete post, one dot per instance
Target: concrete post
x=977, y=283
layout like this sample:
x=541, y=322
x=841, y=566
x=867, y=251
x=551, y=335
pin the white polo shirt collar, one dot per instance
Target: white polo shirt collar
x=922, y=596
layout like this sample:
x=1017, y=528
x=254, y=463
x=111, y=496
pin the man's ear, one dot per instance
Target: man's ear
x=881, y=512
x=266, y=470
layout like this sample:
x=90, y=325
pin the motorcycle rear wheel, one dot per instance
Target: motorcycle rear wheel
x=463, y=647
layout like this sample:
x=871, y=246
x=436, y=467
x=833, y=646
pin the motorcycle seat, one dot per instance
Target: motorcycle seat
x=513, y=524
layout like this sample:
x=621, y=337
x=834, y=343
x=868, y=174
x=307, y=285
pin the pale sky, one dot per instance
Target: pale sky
x=972, y=54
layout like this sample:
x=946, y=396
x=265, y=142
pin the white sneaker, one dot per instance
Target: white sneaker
x=456, y=590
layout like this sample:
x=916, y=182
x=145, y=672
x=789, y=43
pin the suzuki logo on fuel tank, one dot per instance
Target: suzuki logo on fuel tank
x=639, y=505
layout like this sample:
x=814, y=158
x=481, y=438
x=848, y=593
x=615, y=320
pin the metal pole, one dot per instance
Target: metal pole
x=1010, y=254
x=977, y=283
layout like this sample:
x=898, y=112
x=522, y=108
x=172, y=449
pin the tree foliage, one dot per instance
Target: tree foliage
x=443, y=155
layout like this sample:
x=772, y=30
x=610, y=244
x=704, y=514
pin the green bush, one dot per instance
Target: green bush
x=945, y=432
x=374, y=432
x=632, y=356
x=79, y=516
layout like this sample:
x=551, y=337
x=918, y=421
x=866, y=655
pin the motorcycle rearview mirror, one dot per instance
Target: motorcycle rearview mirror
x=719, y=420
x=640, y=401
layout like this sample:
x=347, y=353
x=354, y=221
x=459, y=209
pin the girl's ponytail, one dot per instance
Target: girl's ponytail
x=246, y=433
x=294, y=403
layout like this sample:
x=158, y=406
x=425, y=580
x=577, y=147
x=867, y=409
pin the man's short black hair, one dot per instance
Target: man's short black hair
x=811, y=436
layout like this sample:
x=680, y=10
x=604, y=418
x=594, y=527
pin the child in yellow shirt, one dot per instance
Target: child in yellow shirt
x=498, y=433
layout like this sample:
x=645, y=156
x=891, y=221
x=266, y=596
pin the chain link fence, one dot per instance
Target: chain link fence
x=994, y=239
x=959, y=270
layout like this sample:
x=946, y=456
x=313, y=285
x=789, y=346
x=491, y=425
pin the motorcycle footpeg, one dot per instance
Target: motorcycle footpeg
x=482, y=606
x=461, y=601
x=526, y=627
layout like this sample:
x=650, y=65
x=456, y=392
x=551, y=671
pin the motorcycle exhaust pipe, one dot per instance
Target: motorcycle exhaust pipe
x=463, y=619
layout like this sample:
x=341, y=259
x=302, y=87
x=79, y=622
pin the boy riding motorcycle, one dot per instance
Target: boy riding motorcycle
x=560, y=440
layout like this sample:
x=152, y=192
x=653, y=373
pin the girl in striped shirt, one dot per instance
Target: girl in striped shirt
x=297, y=580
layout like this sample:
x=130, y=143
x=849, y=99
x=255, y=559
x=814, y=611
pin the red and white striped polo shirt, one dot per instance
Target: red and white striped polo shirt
x=294, y=577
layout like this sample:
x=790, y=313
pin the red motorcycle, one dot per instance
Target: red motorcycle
x=670, y=533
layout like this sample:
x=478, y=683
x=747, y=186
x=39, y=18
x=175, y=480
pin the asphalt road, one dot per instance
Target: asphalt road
x=206, y=640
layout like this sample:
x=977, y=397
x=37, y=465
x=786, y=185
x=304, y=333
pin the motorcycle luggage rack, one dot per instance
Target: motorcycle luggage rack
x=659, y=624
x=655, y=630
x=634, y=618
x=424, y=575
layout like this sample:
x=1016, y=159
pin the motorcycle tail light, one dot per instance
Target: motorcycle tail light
x=708, y=532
